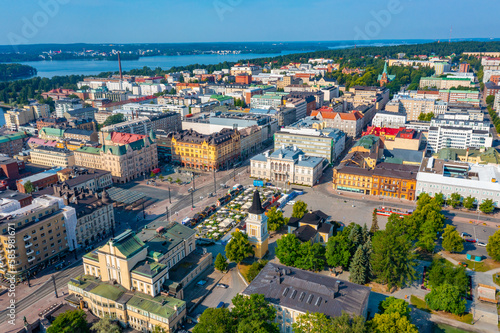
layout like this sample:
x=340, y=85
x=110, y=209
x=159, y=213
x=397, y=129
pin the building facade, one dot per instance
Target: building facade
x=289, y=165
x=52, y=157
x=206, y=152
x=124, y=158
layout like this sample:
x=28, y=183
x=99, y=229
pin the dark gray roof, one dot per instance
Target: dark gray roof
x=306, y=291
x=305, y=233
x=256, y=207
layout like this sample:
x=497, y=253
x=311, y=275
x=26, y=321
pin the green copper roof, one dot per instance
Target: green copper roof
x=491, y=155
x=160, y=305
x=111, y=292
x=11, y=137
x=221, y=97
x=148, y=268
x=367, y=141
x=92, y=256
x=53, y=131
x=128, y=243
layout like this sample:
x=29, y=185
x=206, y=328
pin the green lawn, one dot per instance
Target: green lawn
x=496, y=278
x=419, y=303
x=443, y=328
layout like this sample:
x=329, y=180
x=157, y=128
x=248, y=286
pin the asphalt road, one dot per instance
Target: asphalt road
x=62, y=279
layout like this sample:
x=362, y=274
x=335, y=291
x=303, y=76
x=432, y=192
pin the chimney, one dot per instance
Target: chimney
x=120, y=66
x=294, y=147
x=467, y=155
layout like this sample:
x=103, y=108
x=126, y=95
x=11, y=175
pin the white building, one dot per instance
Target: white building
x=181, y=109
x=67, y=104
x=148, y=89
x=477, y=180
x=389, y=119
x=496, y=104
x=287, y=165
x=457, y=131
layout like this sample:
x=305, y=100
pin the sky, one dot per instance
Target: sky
x=173, y=21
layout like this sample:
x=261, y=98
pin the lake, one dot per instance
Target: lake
x=92, y=67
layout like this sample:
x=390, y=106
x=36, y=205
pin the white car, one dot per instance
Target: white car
x=481, y=244
x=291, y=203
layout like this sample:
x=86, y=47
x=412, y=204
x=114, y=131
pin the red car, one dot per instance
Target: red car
x=470, y=240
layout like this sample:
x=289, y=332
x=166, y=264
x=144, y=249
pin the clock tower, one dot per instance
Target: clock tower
x=257, y=227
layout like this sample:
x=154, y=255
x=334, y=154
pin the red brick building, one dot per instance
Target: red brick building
x=243, y=79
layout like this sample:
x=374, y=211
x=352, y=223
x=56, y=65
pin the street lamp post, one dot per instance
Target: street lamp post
x=167, y=215
x=169, y=199
x=215, y=183
x=194, y=184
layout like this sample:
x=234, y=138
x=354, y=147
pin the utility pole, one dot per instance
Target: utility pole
x=215, y=184
x=194, y=184
x=169, y=199
x=54, y=282
x=167, y=215
x=192, y=200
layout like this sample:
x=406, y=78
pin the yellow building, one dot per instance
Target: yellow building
x=206, y=152
x=257, y=227
x=52, y=157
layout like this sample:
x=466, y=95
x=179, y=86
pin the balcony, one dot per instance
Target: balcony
x=1, y=251
x=30, y=259
x=30, y=251
x=2, y=264
x=26, y=237
x=27, y=245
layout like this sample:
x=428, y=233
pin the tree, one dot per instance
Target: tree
x=152, y=174
x=469, y=202
x=254, y=309
x=490, y=99
x=487, y=206
x=220, y=263
x=255, y=268
x=439, y=199
x=239, y=247
x=374, y=228
x=452, y=242
x=28, y=187
x=454, y=200
x=161, y=177
x=105, y=325
x=493, y=246
x=392, y=322
x=114, y=119
x=426, y=116
x=275, y=219
x=446, y=297
x=317, y=322
x=299, y=209
x=338, y=250
x=393, y=259
x=287, y=249
x=69, y=322
x=359, y=267
x=216, y=321
x=428, y=236
x=392, y=304
x=311, y=257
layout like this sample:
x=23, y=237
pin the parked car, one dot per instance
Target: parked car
x=220, y=305
x=222, y=285
x=464, y=234
x=470, y=240
x=291, y=203
x=201, y=283
x=481, y=244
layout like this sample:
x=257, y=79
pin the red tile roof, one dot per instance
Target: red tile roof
x=125, y=138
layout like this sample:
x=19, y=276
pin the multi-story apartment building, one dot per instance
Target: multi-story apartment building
x=384, y=179
x=183, y=110
x=52, y=156
x=64, y=105
x=40, y=180
x=491, y=89
x=140, y=125
x=207, y=152
x=443, y=176
x=446, y=82
x=126, y=156
x=288, y=165
x=274, y=100
x=414, y=107
x=314, y=140
x=33, y=237
x=81, y=179
x=300, y=106
x=50, y=122
x=457, y=131
x=350, y=123
x=14, y=118
x=80, y=113
x=248, y=68
x=496, y=103
x=12, y=144
x=95, y=217
x=363, y=95
x=294, y=292
x=389, y=119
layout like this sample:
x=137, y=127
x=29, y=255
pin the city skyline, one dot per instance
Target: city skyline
x=64, y=21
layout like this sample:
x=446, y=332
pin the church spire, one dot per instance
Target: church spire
x=385, y=68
